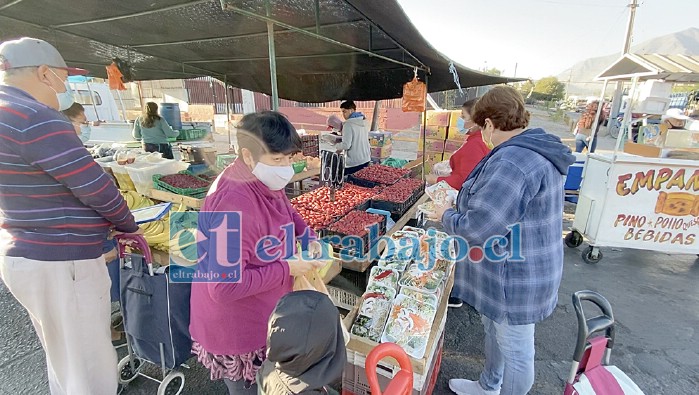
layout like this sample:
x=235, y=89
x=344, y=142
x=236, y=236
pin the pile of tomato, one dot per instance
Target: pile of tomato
x=381, y=174
x=356, y=223
x=400, y=192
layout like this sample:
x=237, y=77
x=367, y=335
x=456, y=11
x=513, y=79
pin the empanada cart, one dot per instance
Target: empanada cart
x=640, y=202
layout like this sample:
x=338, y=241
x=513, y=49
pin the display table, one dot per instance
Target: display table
x=162, y=258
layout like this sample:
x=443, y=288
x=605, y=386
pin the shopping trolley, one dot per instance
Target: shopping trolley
x=591, y=373
x=156, y=317
x=402, y=382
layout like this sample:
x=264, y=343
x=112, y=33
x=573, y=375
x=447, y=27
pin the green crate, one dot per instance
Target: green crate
x=191, y=134
x=223, y=160
x=299, y=166
x=191, y=192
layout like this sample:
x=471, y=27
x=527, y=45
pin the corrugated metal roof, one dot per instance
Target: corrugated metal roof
x=671, y=68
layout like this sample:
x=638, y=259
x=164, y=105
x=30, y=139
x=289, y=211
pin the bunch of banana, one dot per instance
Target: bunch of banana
x=156, y=232
x=184, y=244
x=135, y=200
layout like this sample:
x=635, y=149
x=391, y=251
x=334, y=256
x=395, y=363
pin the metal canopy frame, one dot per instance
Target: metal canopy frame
x=369, y=76
x=650, y=71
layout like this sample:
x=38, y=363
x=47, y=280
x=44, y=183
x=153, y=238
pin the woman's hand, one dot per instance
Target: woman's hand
x=315, y=249
x=440, y=209
x=431, y=179
x=299, y=267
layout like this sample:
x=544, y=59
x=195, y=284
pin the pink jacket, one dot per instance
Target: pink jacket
x=231, y=318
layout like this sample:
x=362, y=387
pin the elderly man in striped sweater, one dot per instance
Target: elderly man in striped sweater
x=56, y=208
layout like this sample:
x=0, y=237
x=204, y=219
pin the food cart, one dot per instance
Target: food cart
x=642, y=196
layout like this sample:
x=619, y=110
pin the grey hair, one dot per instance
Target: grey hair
x=6, y=75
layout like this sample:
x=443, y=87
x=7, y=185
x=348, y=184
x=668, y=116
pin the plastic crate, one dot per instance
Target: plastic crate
x=310, y=145
x=223, y=160
x=191, y=134
x=397, y=209
x=362, y=182
x=299, y=166
x=365, y=239
x=191, y=192
x=341, y=298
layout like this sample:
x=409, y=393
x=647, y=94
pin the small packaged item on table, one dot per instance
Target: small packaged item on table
x=383, y=276
x=409, y=325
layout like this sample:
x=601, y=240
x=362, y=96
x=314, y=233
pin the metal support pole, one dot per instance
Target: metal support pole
x=272, y=58
x=595, y=124
x=424, y=130
x=123, y=108
x=228, y=111
x=375, y=116
x=92, y=99
x=626, y=123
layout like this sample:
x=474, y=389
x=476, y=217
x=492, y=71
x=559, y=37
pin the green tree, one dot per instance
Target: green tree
x=684, y=88
x=493, y=71
x=550, y=88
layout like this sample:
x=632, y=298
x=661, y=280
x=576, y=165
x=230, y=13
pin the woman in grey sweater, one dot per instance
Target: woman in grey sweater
x=154, y=131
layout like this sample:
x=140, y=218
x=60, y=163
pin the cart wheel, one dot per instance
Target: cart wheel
x=574, y=239
x=117, y=321
x=126, y=374
x=591, y=255
x=172, y=384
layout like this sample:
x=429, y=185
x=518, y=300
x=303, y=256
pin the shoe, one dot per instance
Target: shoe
x=468, y=387
x=455, y=302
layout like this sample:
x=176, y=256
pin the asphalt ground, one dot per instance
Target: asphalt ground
x=654, y=297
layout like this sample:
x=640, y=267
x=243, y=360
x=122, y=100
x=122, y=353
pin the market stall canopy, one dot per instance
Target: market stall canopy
x=671, y=68
x=325, y=49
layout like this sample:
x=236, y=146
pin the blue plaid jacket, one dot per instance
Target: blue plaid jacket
x=518, y=186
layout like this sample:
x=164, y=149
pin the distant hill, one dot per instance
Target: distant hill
x=582, y=74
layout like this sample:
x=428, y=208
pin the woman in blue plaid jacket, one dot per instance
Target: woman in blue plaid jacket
x=508, y=223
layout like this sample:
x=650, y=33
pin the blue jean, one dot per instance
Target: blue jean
x=509, y=357
x=581, y=143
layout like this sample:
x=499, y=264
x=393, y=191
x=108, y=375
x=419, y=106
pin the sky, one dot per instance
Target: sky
x=541, y=37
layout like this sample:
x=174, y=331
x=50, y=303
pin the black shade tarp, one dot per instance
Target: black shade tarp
x=167, y=39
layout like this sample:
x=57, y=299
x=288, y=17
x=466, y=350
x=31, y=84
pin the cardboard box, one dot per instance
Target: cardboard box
x=381, y=152
x=452, y=145
x=453, y=134
x=434, y=132
x=454, y=119
x=380, y=139
x=438, y=118
x=434, y=145
x=354, y=380
x=649, y=151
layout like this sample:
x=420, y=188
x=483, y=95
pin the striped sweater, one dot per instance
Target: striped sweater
x=56, y=202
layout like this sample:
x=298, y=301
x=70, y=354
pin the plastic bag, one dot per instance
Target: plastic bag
x=414, y=96
x=441, y=169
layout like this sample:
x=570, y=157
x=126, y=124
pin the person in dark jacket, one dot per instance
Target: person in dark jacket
x=305, y=346
x=510, y=214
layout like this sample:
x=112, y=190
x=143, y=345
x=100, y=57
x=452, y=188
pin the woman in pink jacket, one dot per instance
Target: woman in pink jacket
x=229, y=317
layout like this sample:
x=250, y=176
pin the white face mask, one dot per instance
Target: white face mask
x=274, y=177
x=65, y=99
x=85, y=132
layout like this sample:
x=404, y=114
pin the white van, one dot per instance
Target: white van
x=97, y=99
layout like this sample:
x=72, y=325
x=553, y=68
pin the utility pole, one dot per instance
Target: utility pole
x=515, y=73
x=618, y=93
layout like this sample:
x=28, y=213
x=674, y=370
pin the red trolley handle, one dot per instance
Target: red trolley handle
x=402, y=383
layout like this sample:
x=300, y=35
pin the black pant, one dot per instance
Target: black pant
x=240, y=387
x=165, y=149
x=352, y=170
